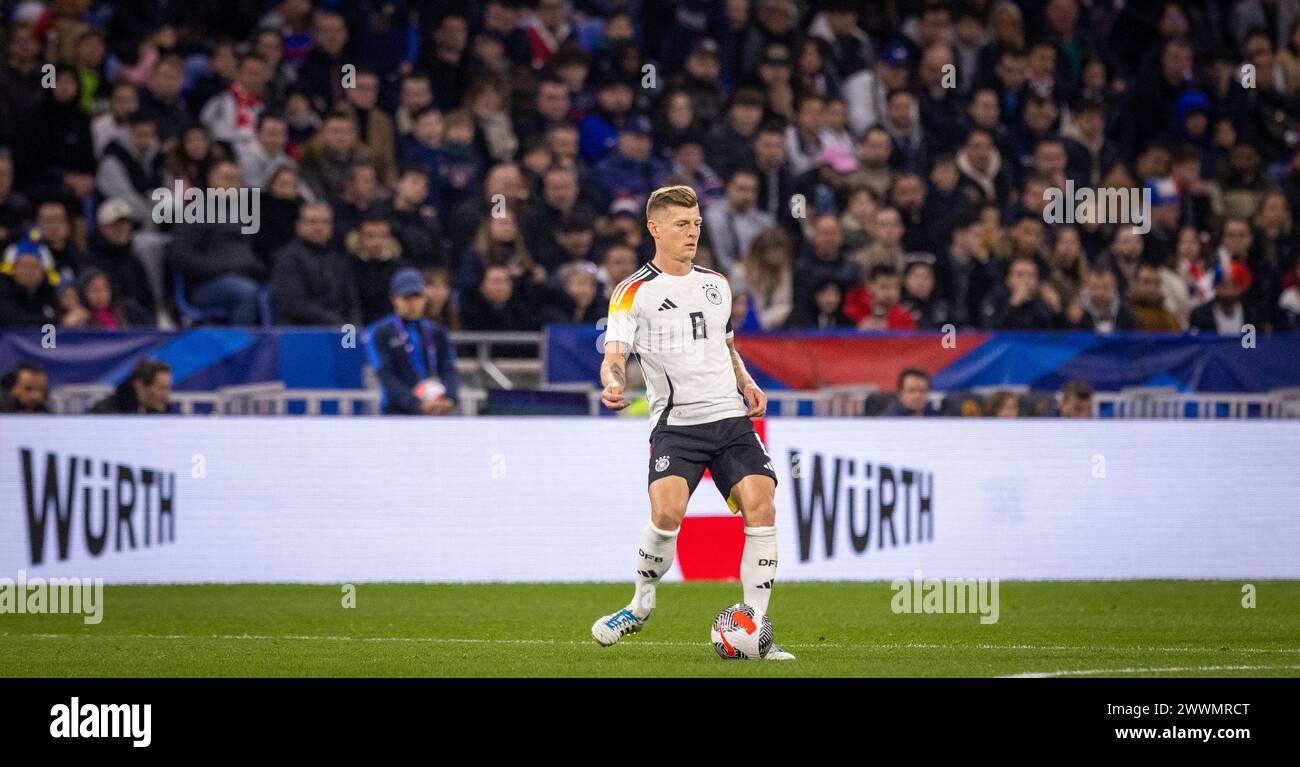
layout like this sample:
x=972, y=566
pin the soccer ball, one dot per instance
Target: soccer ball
x=736, y=635
x=429, y=388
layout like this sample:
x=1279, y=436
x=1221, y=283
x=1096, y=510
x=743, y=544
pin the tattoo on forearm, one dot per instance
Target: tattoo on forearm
x=614, y=369
x=617, y=374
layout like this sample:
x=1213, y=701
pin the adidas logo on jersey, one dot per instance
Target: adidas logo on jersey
x=667, y=304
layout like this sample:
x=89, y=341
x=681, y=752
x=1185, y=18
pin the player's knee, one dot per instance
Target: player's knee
x=667, y=519
x=761, y=513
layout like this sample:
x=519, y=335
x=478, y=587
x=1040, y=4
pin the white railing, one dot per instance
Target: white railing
x=829, y=401
x=482, y=367
x=1162, y=402
x=272, y=398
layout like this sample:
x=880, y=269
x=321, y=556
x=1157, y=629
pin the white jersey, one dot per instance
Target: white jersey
x=678, y=328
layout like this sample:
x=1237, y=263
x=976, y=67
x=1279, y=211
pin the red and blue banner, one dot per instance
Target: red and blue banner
x=1041, y=361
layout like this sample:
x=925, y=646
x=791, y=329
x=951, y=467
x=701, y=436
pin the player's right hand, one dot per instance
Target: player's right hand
x=613, y=398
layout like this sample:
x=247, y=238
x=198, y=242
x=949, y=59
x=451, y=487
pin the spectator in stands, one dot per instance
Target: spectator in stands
x=147, y=391
x=498, y=243
x=416, y=95
x=280, y=202
x=495, y=135
x=913, y=395
x=504, y=187
x=866, y=92
x=698, y=78
x=63, y=160
x=497, y=305
x=599, y=133
x=874, y=152
x=1066, y=261
x=312, y=283
x=102, y=310
x=559, y=201
x=303, y=123
x=55, y=226
x=405, y=349
x=113, y=124
x=550, y=108
x=437, y=289
x=732, y=224
x=422, y=148
x=319, y=75
x=730, y=141
x=579, y=299
x=928, y=309
x=1017, y=306
x=823, y=258
x=984, y=177
x=111, y=251
x=1002, y=404
x=190, y=158
x=222, y=273
x=631, y=170
x=223, y=68
x=1148, y=301
x=447, y=61
x=875, y=305
x=576, y=237
x=328, y=157
x=1226, y=315
x=766, y=276
x=259, y=158
x=232, y=116
x=268, y=44
x=376, y=255
x=803, y=137
x=362, y=195
x=1076, y=400
x=27, y=294
x=886, y=248
x=415, y=222
x=964, y=276
x=618, y=263
x=826, y=311
x=1105, y=310
x=161, y=99
x=374, y=126
x=131, y=170
x=25, y=389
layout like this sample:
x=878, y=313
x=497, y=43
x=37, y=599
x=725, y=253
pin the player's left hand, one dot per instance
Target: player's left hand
x=756, y=400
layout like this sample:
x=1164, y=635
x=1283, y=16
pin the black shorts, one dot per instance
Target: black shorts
x=730, y=449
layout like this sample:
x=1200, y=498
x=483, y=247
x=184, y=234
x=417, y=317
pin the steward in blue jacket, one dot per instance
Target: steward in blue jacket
x=404, y=348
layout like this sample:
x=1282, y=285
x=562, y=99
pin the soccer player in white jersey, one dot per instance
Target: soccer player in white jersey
x=676, y=317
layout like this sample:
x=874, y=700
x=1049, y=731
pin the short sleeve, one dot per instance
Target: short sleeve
x=622, y=315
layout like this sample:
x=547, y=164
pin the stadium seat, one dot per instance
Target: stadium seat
x=191, y=315
x=264, y=314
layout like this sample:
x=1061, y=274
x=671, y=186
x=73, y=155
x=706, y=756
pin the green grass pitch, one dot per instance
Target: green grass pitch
x=1153, y=628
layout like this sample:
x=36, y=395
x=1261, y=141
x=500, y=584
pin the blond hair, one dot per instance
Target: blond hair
x=677, y=196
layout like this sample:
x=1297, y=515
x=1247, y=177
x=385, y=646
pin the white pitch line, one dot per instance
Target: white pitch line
x=653, y=643
x=1175, y=669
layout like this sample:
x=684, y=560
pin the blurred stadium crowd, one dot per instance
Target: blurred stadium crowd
x=862, y=164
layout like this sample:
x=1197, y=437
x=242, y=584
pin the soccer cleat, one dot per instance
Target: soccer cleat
x=776, y=653
x=611, y=628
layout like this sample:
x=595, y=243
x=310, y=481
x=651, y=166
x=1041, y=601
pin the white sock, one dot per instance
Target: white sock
x=653, y=560
x=758, y=567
